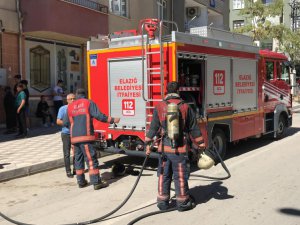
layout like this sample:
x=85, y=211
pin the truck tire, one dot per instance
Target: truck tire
x=220, y=141
x=281, y=127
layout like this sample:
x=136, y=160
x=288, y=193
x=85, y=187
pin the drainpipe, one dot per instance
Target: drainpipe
x=20, y=19
x=1, y=37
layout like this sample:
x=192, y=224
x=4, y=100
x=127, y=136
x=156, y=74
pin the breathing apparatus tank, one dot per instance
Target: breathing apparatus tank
x=173, y=123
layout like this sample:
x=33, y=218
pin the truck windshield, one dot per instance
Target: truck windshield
x=270, y=70
x=285, y=73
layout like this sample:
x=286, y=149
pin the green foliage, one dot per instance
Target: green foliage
x=291, y=45
x=260, y=27
x=257, y=15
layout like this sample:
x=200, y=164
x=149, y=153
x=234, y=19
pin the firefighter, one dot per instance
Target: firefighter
x=173, y=127
x=79, y=118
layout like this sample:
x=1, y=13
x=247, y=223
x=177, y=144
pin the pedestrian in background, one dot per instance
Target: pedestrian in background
x=43, y=112
x=20, y=106
x=173, y=160
x=65, y=136
x=17, y=78
x=58, y=94
x=10, y=111
x=26, y=91
x=80, y=117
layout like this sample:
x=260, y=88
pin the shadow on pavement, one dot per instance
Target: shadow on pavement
x=290, y=211
x=248, y=145
x=3, y=164
x=203, y=194
x=34, y=132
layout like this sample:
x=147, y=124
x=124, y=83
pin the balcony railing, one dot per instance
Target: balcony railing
x=89, y=4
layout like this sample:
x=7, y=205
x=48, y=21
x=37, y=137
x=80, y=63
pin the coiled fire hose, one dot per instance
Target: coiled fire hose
x=174, y=208
x=128, y=197
x=97, y=219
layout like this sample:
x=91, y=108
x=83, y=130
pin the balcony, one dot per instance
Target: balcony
x=64, y=20
x=89, y=4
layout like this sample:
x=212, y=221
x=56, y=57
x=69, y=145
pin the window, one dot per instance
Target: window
x=238, y=24
x=238, y=4
x=267, y=45
x=119, y=7
x=162, y=9
x=270, y=70
x=283, y=71
x=267, y=1
x=297, y=25
x=39, y=68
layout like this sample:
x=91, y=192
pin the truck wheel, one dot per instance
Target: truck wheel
x=281, y=127
x=220, y=141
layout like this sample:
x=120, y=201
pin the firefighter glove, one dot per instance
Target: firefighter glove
x=116, y=120
x=202, y=146
x=148, y=150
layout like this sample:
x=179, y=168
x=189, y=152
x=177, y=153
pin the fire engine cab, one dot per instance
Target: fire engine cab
x=236, y=90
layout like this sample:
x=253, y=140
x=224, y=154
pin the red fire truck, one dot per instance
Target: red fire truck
x=236, y=90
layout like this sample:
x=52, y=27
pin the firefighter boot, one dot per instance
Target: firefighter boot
x=163, y=205
x=83, y=184
x=186, y=205
x=205, y=162
x=101, y=184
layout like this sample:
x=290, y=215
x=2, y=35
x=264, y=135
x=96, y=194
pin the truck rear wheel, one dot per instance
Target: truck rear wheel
x=220, y=141
x=281, y=127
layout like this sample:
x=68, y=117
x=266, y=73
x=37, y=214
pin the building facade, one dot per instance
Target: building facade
x=237, y=20
x=126, y=14
x=45, y=41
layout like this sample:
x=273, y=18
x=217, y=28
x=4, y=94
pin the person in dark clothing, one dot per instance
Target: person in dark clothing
x=79, y=117
x=17, y=81
x=20, y=106
x=173, y=160
x=42, y=111
x=10, y=111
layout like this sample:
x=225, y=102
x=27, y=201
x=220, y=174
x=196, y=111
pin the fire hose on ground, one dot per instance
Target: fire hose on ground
x=128, y=197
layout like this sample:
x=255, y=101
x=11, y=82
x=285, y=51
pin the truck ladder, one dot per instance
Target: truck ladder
x=154, y=77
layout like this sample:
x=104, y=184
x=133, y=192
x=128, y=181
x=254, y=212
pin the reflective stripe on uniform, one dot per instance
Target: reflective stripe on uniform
x=79, y=139
x=88, y=155
x=181, y=179
x=80, y=172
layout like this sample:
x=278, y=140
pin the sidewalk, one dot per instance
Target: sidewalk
x=41, y=151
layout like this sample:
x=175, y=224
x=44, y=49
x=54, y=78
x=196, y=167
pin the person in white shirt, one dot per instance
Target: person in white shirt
x=58, y=94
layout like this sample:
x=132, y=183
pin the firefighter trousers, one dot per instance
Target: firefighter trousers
x=86, y=152
x=176, y=166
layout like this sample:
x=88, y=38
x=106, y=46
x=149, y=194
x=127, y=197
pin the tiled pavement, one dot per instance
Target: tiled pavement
x=41, y=150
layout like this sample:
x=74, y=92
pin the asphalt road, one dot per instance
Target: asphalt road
x=264, y=189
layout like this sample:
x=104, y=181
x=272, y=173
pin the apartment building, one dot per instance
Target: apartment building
x=45, y=41
x=237, y=20
x=126, y=14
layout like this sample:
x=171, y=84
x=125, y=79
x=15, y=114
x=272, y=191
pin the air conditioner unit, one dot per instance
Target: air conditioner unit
x=192, y=11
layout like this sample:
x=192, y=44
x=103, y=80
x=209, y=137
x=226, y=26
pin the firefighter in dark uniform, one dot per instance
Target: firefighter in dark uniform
x=174, y=151
x=79, y=118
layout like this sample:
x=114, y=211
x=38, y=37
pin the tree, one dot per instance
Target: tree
x=259, y=18
x=260, y=26
x=291, y=45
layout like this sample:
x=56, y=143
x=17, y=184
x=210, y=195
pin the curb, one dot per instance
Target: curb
x=29, y=170
x=34, y=169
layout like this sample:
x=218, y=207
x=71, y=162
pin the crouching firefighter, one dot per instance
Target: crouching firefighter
x=174, y=119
